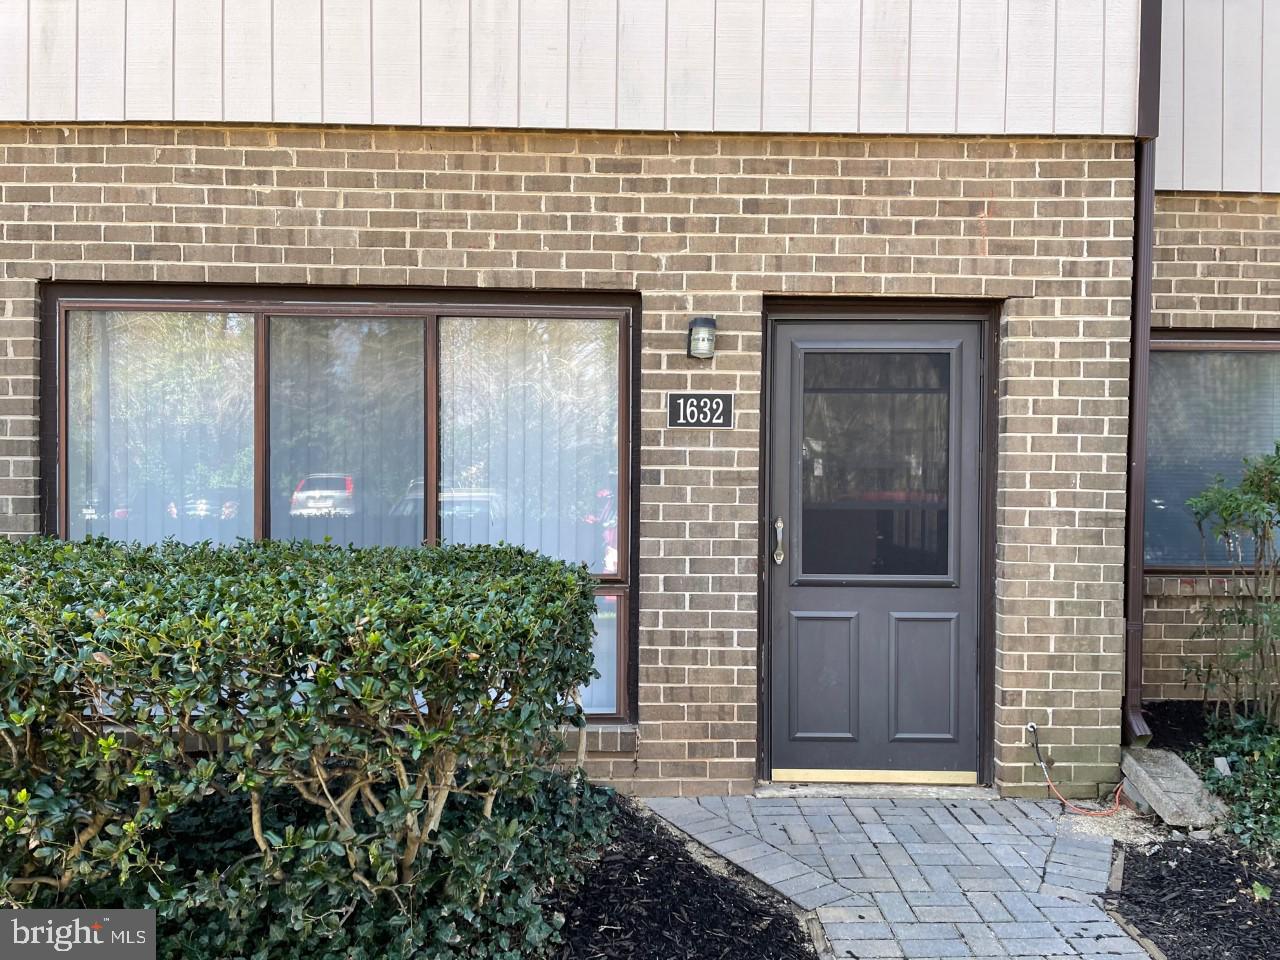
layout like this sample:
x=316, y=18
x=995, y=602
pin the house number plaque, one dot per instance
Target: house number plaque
x=705, y=410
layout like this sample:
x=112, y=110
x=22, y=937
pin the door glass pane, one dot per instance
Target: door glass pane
x=529, y=435
x=601, y=696
x=1208, y=411
x=346, y=424
x=160, y=425
x=874, y=463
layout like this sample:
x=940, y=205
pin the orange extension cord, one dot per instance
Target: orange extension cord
x=1079, y=811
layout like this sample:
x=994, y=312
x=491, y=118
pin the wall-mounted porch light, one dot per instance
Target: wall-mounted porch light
x=702, y=338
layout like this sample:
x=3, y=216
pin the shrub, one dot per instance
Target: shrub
x=1243, y=615
x=1252, y=791
x=405, y=701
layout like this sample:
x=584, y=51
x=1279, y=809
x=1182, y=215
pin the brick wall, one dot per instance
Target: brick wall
x=697, y=224
x=1217, y=266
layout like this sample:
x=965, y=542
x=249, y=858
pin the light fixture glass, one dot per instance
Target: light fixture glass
x=702, y=338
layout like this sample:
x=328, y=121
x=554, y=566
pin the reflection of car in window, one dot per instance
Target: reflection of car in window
x=606, y=518
x=324, y=495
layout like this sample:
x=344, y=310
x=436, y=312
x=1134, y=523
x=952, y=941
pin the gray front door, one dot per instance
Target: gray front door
x=873, y=550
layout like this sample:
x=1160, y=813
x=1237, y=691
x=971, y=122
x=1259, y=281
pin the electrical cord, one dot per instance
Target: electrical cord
x=1079, y=811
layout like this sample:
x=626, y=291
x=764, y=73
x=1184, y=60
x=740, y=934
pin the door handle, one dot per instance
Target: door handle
x=778, y=554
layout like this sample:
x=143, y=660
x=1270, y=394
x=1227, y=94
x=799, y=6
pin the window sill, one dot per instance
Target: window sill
x=606, y=736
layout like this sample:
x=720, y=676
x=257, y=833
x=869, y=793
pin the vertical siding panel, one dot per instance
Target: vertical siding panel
x=788, y=56
x=1169, y=143
x=297, y=58
x=100, y=60
x=984, y=57
x=1271, y=99
x=1029, y=89
x=246, y=66
x=52, y=54
x=397, y=74
x=13, y=60
x=148, y=67
x=593, y=74
x=544, y=63
x=886, y=31
x=934, y=54
x=348, y=68
x=495, y=63
x=642, y=64
x=446, y=62
x=1202, y=96
x=739, y=45
x=1242, y=96
x=691, y=48
x=837, y=65
x=1120, y=83
x=197, y=60
x=1078, y=76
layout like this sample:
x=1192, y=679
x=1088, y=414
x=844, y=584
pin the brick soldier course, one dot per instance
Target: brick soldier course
x=695, y=224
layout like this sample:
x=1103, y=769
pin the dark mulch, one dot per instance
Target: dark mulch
x=1177, y=725
x=648, y=899
x=1195, y=900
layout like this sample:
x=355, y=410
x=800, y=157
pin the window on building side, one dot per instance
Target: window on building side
x=385, y=423
x=1212, y=403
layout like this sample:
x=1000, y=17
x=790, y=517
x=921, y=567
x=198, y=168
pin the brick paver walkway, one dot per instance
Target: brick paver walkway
x=922, y=878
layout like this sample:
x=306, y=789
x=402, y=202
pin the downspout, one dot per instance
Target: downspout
x=1136, y=731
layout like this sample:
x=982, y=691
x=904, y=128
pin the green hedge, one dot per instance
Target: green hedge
x=364, y=733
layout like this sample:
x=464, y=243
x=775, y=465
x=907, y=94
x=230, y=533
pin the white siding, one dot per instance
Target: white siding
x=642, y=64
x=495, y=63
x=544, y=63
x=886, y=26
x=446, y=63
x=873, y=66
x=297, y=77
x=13, y=58
x=99, y=59
x=788, y=34
x=197, y=59
x=247, y=63
x=1029, y=89
x=593, y=58
x=983, y=62
x=1219, y=96
x=935, y=27
x=148, y=62
x=691, y=56
x=346, y=62
x=739, y=53
x=837, y=65
x=51, y=60
x=1120, y=62
x=397, y=61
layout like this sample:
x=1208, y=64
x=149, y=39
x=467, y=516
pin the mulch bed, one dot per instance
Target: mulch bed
x=649, y=899
x=1195, y=900
x=1177, y=725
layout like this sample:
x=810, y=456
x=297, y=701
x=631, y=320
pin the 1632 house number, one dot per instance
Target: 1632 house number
x=705, y=410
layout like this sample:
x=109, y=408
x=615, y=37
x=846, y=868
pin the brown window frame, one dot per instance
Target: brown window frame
x=1203, y=341
x=264, y=303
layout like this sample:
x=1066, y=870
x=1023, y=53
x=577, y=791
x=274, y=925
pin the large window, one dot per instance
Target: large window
x=386, y=423
x=1212, y=403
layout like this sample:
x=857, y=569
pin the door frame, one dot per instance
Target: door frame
x=808, y=309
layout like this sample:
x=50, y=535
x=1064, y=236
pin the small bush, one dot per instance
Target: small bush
x=1252, y=748
x=294, y=749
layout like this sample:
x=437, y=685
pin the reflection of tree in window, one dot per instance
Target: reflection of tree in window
x=875, y=463
x=160, y=423
x=346, y=425
x=529, y=435
x=1208, y=410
